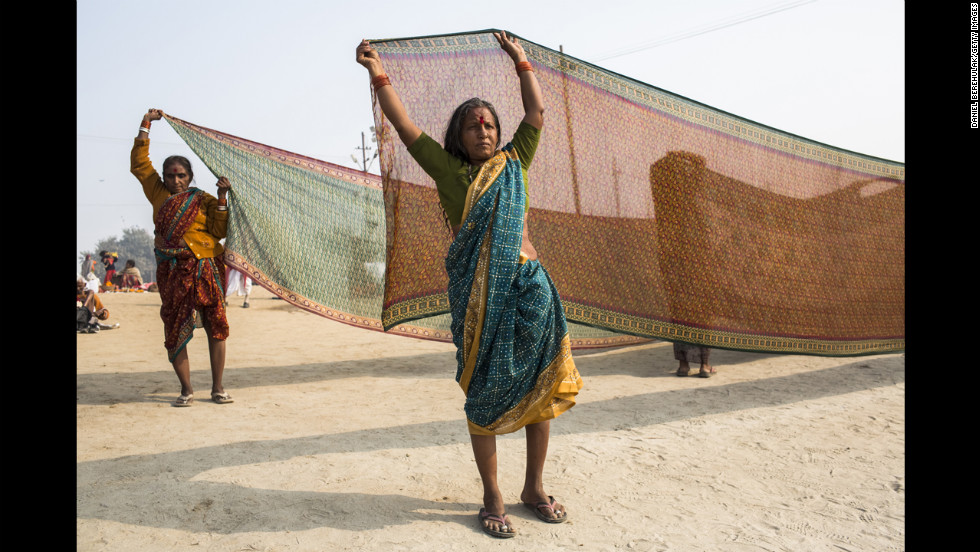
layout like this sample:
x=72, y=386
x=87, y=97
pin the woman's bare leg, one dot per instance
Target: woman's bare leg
x=182, y=366
x=706, y=368
x=538, y=436
x=485, y=453
x=216, y=348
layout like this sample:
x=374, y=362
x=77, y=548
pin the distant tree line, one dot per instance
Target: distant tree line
x=136, y=244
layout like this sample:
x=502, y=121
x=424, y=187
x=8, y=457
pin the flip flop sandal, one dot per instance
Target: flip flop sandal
x=222, y=398
x=563, y=516
x=485, y=516
x=184, y=400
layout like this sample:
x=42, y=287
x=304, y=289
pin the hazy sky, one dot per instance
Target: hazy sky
x=283, y=73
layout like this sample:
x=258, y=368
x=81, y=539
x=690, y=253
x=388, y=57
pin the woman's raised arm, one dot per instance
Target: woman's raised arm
x=530, y=89
x=391, y=104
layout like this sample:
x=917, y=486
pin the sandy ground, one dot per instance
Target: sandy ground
x=347, y=439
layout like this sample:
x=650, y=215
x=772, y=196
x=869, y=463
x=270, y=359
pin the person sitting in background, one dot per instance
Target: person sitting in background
x=89, y=307
x=131, y=277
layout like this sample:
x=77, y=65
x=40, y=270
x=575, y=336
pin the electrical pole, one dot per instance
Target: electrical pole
x=364, y=149
x=363, y=152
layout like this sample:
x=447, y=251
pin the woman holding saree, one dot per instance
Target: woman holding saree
x=513, y=356
x=188, y=224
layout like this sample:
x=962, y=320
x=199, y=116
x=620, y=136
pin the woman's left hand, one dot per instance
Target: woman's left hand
x=369, y=58
x=511, y=46
x=223, y=186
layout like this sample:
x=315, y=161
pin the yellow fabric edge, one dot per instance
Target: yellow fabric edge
x=559, y=399
x=489, y=171
x=476, y=304
x=475, y=313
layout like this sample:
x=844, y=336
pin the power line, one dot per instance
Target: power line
x=718, y=25
x=337, y=159
x=105, y=139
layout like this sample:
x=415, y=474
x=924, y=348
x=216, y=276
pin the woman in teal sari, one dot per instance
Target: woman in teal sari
x=514, y=361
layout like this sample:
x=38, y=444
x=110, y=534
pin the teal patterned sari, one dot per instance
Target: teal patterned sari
x=513, y=356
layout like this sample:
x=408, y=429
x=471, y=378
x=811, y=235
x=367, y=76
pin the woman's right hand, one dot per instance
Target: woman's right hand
x=388, y=99
x=369, y=58
x=153, y=114
x=223, y=186
x=511, y=46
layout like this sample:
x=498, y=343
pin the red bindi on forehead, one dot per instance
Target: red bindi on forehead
x=481, y=120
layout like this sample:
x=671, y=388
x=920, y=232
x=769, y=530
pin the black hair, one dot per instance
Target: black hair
x=453, y=144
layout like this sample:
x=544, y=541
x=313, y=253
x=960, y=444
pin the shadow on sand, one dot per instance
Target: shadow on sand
x=114, y=489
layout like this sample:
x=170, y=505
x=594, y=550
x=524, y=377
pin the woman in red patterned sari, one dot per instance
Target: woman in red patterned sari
x=188, y=224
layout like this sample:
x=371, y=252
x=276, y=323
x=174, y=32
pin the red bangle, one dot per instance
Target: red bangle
x=222, y=201
x=145, y=124
x=522, y=66
x=380, y=80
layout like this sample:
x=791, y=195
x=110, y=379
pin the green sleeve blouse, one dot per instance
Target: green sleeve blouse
x=453, y=175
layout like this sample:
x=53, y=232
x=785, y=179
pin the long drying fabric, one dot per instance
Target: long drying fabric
x=657, y=216
x=313, y=233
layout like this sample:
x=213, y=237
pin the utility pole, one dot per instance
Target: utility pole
x=364, y=149
x=363, y=152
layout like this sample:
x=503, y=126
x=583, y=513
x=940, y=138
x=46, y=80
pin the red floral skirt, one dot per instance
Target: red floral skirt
x=191, y=290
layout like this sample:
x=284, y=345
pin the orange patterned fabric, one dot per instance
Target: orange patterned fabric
x=658, y=216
